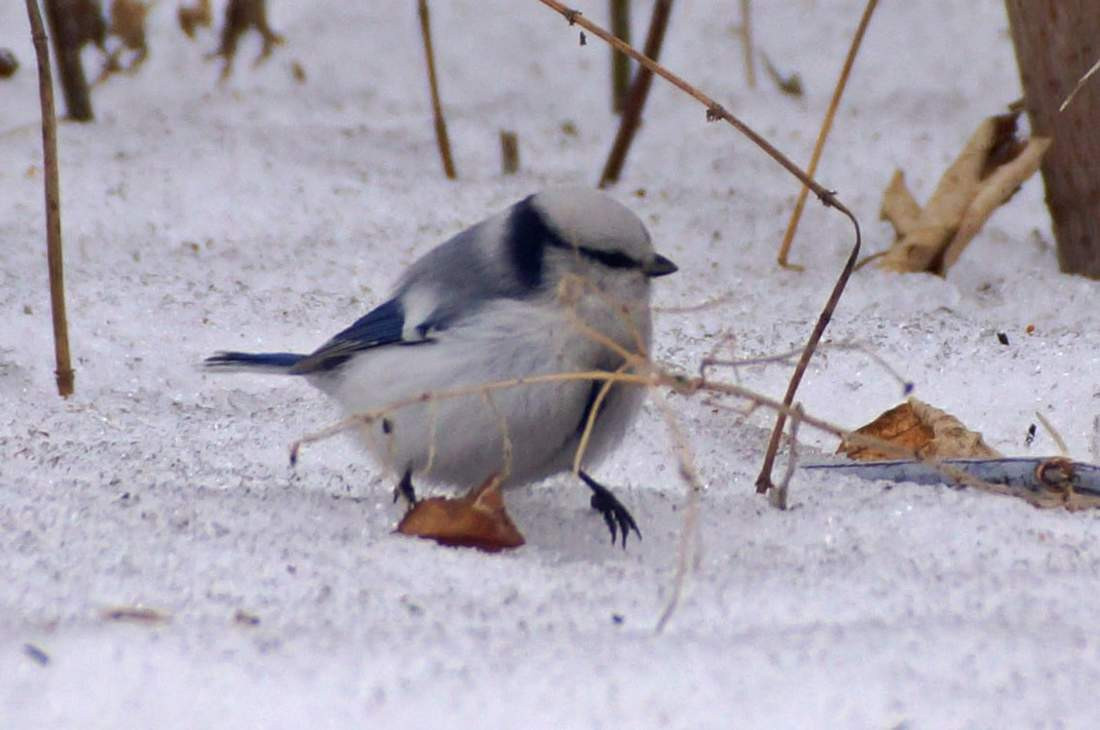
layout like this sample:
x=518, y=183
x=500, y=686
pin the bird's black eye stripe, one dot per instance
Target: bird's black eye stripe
x=611, y=259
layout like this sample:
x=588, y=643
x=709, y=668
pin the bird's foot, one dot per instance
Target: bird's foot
x=617, y=517
x=405, y=489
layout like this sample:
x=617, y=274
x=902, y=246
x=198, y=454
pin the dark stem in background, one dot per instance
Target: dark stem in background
x=64, y=370
x=827, y=197
x=620, y=63
x=826, y=125
x=72, y=25
x=509, y=152
x=1056, y=44
x=437, y=108
x=639, y=92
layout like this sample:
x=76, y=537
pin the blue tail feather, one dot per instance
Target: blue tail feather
x=272, y=362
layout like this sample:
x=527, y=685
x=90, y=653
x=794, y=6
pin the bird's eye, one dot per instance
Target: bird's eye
x=610, y=259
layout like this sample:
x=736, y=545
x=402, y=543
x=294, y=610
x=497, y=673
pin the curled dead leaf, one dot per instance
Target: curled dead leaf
x=992, y=165
x=918, y=429
x=477, y=519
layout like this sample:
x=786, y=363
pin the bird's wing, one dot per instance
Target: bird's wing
x=383, y=325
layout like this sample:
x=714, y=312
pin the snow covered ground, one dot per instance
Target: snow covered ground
x=267, y=213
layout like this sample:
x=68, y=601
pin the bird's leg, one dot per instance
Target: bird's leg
x=405, y=489
x=616, y=516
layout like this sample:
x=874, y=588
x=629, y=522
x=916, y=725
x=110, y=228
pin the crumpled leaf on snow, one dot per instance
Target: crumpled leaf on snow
x=920, y=430
x=990, y=168
x=477, y=520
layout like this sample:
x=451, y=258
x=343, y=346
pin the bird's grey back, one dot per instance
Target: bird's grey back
x=470, y=269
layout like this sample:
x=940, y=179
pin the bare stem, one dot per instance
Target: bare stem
x=715, y=110
x=437, y=108
x=823, y=134
x=620, y=64
x=635, y=100
x=687, y=552
x=64, y=372
x=764, y=479
x=73, y=24
x=509, y=152
x=745, y=31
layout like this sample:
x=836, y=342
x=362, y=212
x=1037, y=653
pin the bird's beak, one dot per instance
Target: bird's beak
x=659, y=266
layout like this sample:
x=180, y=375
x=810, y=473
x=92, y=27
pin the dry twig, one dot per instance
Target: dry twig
x=1058, y=440
x=822, y=135
x=509, y=152
x=635, y=100
x=437, y=108
x=687, y=552
x=1079, y=85
x=74, y=24
x=744, y=30
x=64, y=372
x=778, y=496
x=620, y=64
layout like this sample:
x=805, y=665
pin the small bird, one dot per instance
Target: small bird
x=537, y=289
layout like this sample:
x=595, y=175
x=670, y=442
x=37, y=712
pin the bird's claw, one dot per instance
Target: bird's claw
x=615, y=515
x=405, y=489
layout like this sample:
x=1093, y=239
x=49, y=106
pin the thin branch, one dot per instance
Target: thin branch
x=365, y=419
x=639, y=92
x=689, y=532
x=505, y=436
x=715, y=110
x=437, y=108
x=745, y=31
x=620, y=64
x=64, y=372
x=73, y=24
x=823, y=134
x=1058, y=440
x=778, y=496
x=906, y=385
x=764, y=479
x=433, y=428
x=590, y=421
x=1079, y=85
x=509, y=152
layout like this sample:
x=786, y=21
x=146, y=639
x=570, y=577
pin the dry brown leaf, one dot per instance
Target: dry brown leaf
x=995, y=190
x=926, y=432
x=476, y=520
x=984, y=175
x=899, y=207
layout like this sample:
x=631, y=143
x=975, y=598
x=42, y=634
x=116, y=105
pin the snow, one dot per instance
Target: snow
x=266, y=214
